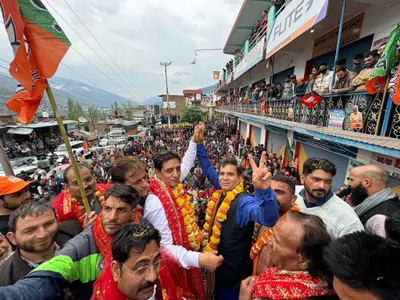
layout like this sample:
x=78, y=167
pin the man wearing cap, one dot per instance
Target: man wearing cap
x=13, y=192
x=358, y=63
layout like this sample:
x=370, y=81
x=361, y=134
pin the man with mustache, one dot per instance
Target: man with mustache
x=370, y=194
x=316, y=198
x=13, y=192
x=135, y=266
x=33, y=229
x=80, y=262
x=68, y=204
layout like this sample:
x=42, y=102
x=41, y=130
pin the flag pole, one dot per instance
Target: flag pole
x=68, y=146
x=383, y=103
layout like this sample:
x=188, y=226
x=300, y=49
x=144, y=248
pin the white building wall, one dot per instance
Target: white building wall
x=380, y=22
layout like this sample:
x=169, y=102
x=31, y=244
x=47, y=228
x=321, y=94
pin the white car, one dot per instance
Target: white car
x=21, y=164
x=77, y=149
x=103, y=143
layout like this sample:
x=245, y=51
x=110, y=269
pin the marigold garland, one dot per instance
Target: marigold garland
x=193, y=231
x=78, y=210
x=266, y=235
x=211, y=243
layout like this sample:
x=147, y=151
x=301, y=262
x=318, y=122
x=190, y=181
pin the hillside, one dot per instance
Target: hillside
x=63, y=89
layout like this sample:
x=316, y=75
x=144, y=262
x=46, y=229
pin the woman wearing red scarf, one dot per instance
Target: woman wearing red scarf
x=297, y=253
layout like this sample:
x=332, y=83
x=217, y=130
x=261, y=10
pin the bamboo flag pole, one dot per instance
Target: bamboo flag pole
x=68, y=146
x=383, y=103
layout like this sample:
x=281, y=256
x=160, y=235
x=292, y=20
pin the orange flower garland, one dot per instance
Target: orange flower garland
x=266, y=235
x=78, y=210
x=211, y=243
x=193, y=231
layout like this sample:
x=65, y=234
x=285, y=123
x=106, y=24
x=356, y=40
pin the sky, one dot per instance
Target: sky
x=138, y=35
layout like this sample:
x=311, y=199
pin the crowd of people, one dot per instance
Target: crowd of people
x=200, y=213
x=320, y=81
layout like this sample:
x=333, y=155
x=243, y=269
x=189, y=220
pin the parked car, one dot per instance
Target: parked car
x=77, y=149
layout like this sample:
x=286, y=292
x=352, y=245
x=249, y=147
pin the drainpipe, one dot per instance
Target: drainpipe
x=339, y=40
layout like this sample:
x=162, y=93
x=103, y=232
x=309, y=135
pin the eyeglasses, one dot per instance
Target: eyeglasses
x=145, y=270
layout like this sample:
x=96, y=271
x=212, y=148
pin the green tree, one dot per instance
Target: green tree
x=75, y=110
x=191, y=114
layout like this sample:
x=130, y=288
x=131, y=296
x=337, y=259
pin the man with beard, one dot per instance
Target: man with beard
x=81, y=260
x=13, y=192
x=33, y=229
x=370, y=194
x=316, y=198
x=68, y=204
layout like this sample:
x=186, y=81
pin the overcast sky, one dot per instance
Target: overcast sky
x=138, y=35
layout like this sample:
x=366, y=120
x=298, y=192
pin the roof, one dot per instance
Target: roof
x=20, y=131
x=190, y=92
x=380, y=144
x=250, y=12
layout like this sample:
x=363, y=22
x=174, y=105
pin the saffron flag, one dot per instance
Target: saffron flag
x=394, y=84
x=311, y=100
x=385, y=64
x=39, y=44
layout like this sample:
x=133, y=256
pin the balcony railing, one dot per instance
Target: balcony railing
x=376, y=121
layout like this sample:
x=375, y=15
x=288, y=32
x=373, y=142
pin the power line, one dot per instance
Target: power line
x=105, y=51
x=57, y=90
x=97, y=54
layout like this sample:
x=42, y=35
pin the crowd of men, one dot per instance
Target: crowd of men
x=198, y=213
x=320, y=80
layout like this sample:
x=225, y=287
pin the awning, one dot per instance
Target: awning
x=21, y=131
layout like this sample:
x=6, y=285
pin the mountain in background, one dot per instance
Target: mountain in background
x=63, y=88
x=151, y=101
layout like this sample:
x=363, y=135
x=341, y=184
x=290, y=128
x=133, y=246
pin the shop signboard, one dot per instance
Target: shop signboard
x=172, y=104
x=298, y=17
x=250, y=60
x=343, y=150
x=350, y=33
x=336, y=118
x=388, y=163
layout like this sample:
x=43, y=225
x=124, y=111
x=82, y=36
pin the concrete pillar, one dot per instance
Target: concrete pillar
x=246, y=47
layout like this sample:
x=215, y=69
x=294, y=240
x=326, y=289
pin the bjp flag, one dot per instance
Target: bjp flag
x=385, y=64
x=39, y=44
x=311, y=100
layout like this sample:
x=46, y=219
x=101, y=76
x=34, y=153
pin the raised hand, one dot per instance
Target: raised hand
x=261, y=177
x=200, y=133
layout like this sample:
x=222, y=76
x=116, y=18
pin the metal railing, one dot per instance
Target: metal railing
x=372, y=108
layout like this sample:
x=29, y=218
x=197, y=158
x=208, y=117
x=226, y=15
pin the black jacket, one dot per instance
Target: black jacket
x=13, y=269
x=386, y=208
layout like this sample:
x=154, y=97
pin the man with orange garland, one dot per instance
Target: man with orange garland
x=231, y=214
x=68, y=204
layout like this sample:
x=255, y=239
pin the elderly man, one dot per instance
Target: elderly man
x=370, y=194
x=316, y=198
x=298, y=270
x=80, y=262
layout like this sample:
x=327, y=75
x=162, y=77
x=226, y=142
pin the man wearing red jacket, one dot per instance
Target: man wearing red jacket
x=68, y=204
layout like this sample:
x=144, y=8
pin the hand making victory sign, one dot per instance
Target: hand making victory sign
x=261, y=177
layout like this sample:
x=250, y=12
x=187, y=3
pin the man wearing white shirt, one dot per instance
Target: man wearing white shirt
x=316, y=198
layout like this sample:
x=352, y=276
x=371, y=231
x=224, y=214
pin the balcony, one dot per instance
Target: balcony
x=376, y=120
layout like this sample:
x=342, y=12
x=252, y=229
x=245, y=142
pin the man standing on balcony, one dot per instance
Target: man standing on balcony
x=320, y=81
x=288, y=87
x=361, y=79
x=358, y=63
x=343, y=81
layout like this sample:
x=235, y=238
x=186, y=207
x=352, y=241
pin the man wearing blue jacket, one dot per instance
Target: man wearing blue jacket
x=244, y=211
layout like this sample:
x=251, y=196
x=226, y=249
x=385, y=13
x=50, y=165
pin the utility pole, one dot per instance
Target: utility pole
x=165, y=65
